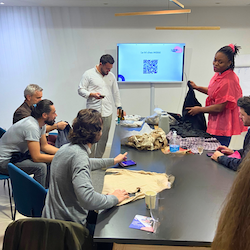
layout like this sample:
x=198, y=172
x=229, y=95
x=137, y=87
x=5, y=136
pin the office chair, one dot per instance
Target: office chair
x=29, y=195
x=2, y=131
x=6, y=177
x=46, y=234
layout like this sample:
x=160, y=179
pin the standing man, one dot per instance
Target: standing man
x=99, y=86
x=33, y=94
x=29, y=135
x=222, y=153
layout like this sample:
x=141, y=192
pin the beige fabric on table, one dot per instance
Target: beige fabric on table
x=132, y=180
x=152, y=141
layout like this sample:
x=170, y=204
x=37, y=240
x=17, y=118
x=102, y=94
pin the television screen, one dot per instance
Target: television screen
x=150, y=62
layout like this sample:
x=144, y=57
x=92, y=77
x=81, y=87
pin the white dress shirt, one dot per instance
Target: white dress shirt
x=92, y=82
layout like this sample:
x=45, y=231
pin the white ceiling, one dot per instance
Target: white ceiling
x=126, y=3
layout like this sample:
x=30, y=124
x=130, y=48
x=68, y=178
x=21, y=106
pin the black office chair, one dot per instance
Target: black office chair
x=46, y=234
x=6, y=177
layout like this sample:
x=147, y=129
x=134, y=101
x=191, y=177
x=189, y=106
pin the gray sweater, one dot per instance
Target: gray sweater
x=71, y=193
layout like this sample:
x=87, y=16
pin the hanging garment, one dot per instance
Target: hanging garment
x=46, y=234
x=198, y=121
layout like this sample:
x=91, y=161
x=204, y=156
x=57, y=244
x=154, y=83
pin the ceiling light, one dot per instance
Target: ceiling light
x=2, y=3
x=160, y=12
x=188, y=28
x=177, y=3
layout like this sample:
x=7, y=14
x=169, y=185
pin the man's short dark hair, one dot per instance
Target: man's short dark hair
x=44, y=106
x=86, y=127
x=244, y=102
x=107, y=59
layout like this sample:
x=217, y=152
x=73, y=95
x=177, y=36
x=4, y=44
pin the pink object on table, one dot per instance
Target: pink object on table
x=236, y=154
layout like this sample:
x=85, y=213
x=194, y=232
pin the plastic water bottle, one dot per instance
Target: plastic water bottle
x=164, y=122
x=174, y=143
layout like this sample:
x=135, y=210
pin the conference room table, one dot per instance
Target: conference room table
x=188, y=212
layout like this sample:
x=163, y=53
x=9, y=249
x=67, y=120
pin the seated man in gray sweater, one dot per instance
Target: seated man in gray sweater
x=71, y=194
x=221, y=154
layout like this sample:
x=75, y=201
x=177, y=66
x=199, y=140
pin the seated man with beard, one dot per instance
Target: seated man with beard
x=26, y=135
x=71, y=194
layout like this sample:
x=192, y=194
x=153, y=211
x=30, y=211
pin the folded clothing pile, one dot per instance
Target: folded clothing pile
x=152, y=141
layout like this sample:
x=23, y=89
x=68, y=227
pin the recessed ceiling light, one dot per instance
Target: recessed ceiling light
x=105, y=3
x=2, y=3
x=217, y=3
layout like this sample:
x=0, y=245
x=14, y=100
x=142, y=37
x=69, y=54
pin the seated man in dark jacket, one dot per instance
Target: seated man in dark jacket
x=33, y=94
x=222, y=151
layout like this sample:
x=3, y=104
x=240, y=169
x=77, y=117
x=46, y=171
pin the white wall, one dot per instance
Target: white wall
x=54, y=46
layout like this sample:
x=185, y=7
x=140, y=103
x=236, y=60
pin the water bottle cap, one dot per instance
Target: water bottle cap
x=164, y=113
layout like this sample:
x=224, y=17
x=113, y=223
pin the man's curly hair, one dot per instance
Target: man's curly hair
x=86, y=127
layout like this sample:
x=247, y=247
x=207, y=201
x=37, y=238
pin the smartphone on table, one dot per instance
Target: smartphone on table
x=209, y=154
x=127, y=163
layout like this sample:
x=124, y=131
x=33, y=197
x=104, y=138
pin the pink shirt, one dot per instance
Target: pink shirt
x=222, y=88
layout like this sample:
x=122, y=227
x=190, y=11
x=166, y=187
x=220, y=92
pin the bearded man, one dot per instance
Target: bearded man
x=23, y=142
x=99, y=86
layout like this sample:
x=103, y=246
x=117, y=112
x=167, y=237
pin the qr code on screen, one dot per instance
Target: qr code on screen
x=150, y=66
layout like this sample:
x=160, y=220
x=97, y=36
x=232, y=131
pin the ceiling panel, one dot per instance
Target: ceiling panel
x=127, y=3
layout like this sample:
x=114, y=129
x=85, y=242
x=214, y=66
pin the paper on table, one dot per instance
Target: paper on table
x=143, y=223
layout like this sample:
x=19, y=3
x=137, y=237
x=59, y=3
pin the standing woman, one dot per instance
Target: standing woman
x=223, y=92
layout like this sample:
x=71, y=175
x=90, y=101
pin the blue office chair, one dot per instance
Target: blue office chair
x=7, y=178
x=29, y=195
x=2, y=131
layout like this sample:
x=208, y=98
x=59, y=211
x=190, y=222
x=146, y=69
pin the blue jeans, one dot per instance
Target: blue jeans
x=91, y=221
x=39, y=169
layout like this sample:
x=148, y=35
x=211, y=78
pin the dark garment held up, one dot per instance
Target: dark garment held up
x=62, y=137
x=198, y=121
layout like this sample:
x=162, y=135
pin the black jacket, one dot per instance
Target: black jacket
x=62, y=137
x=233, y=163
x=198, y=121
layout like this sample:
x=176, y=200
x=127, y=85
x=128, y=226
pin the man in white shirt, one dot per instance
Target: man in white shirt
x=99, y=86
